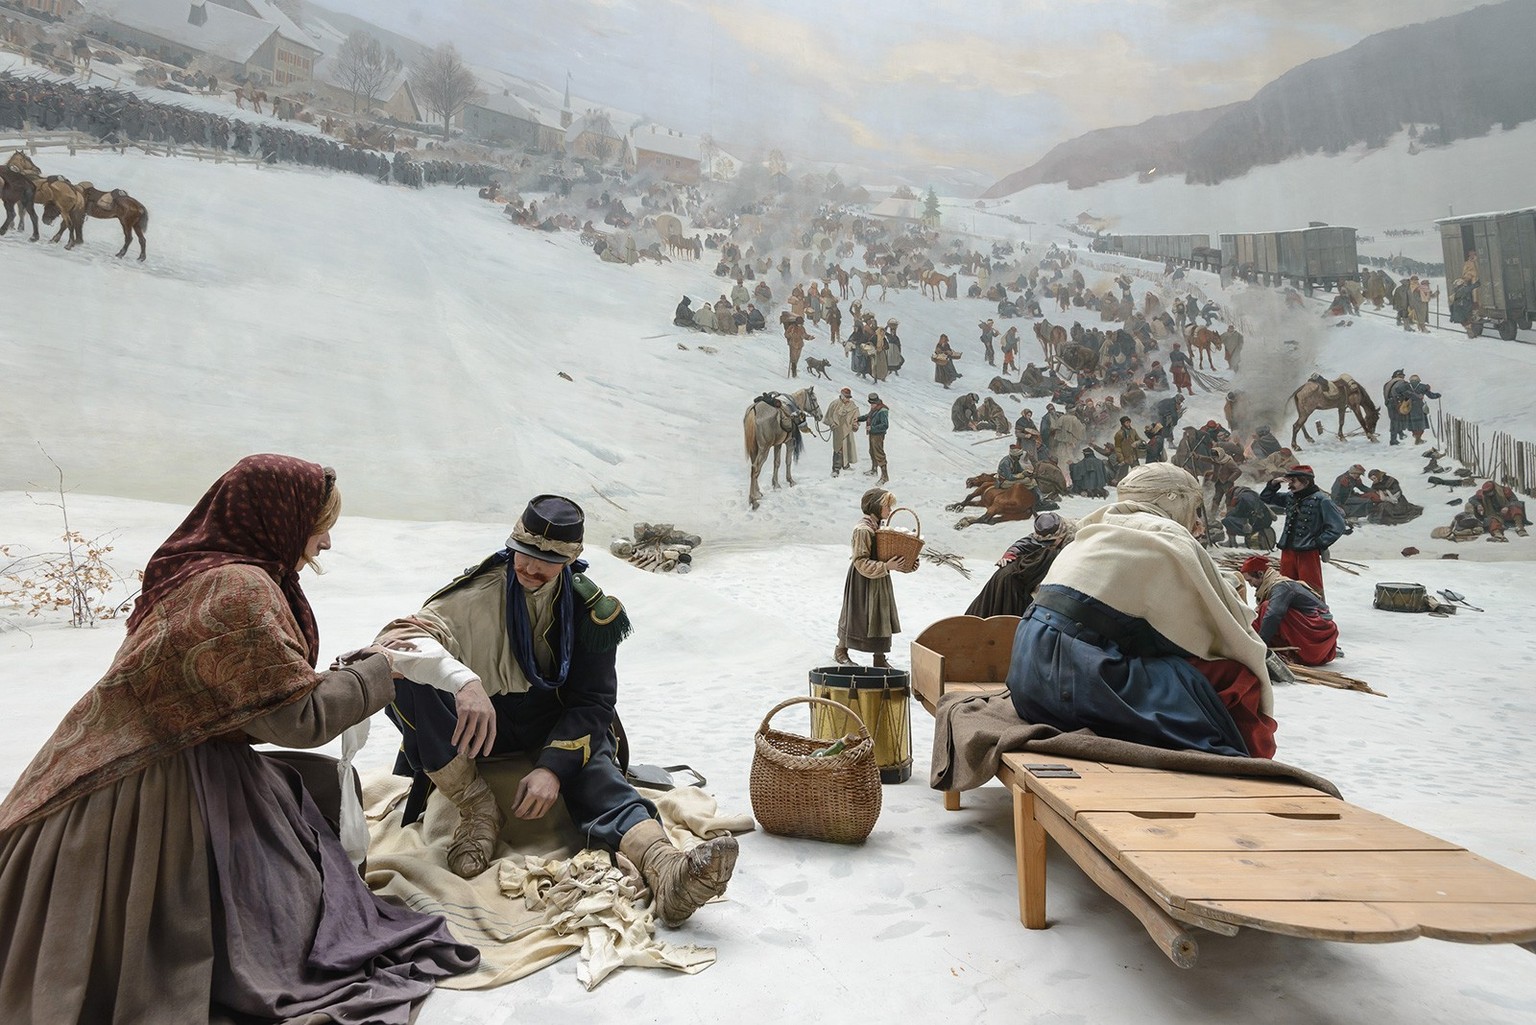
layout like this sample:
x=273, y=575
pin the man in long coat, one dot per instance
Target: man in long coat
x=843, y=417
x=1128, y=446
x=1067, y=436
x=795, y=335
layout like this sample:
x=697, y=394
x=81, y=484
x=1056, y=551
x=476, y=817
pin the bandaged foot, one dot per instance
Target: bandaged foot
x=480, y=820
x=681, y=882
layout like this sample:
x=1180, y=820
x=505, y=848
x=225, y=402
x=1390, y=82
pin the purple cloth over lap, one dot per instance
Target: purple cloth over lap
x=296, y=930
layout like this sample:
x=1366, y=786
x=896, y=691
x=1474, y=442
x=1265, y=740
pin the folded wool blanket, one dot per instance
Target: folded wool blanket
x=544, y=897
x=972, y=733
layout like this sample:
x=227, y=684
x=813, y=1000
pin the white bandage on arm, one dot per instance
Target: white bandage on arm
x=431, y=665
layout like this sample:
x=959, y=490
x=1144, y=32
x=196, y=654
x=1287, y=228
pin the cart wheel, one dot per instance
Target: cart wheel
x=1508, y=329
x=1474, y=328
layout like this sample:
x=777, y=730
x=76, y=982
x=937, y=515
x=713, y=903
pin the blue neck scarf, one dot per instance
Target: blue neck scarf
x=520, y=627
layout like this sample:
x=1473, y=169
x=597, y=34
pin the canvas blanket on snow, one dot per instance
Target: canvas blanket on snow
x=545, y=897
x=972, y=733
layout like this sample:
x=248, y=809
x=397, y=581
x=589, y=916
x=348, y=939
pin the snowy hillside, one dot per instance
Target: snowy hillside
x=339, y=319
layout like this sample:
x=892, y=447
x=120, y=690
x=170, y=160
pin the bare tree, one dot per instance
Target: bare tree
x=444, y=83
x=364, y=65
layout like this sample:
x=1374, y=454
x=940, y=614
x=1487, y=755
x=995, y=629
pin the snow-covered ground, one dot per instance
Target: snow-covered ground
x=415, y=340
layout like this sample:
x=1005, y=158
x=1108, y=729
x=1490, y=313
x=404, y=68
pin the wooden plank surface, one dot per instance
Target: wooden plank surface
x=1316, y=807
x=1179, y=877
x=1380, y=922
x=1352, y=829
x=1170, y=934
x=1107, y=791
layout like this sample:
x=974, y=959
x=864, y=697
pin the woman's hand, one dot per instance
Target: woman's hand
x=361, y=653
x=897, y=563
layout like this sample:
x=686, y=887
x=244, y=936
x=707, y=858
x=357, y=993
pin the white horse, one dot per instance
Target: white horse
x=773, y=426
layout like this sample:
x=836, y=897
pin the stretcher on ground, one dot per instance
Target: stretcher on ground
x=1187, y=852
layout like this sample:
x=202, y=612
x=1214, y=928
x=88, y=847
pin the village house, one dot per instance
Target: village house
x=508, y=120
x=593, y=137
x=48, y=10
x=395, y=99
x=666, y=154
x=256, y=41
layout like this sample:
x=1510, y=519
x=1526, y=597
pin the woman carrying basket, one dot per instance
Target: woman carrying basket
x=869, y=616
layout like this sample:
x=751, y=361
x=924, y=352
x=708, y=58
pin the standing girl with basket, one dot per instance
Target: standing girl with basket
x=869, y=616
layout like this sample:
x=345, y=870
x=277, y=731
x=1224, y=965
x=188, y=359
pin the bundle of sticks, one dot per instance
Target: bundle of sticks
x=949, y=559
x=1325, y=677
x=1233, y=559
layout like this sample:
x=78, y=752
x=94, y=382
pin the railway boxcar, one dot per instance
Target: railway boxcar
x=1505, y=245
x=1306, y=257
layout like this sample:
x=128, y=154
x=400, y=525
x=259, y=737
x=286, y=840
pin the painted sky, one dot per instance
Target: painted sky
x=983, y=84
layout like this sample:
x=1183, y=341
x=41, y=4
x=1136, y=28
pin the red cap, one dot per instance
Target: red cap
x=1255, y=564
x=1300, y=470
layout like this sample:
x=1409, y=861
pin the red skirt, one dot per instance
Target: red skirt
x=1315, y=639
x=1181, y=378
x=1239, y=691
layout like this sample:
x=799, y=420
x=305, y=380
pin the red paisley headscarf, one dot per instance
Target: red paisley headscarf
x=260, y=513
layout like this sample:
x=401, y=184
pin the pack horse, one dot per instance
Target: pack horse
x=774, y=423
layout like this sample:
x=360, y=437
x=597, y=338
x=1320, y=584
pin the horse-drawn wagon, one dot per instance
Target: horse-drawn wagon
x=1505, y=247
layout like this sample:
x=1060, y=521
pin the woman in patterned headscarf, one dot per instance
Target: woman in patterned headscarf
x=153, y=866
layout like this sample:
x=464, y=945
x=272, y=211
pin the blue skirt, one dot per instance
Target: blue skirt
x=1069, y=676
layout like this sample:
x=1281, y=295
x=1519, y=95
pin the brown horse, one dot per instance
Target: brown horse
x=119, y=206
x=59, y=198
x=1052, y=338
x=999, y=505
x=1343, y=393
x=17, y=191
x=937, y=286
x=1202, y=340
x=843, y=289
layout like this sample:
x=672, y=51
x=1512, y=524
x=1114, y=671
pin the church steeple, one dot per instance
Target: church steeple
x=565, y=110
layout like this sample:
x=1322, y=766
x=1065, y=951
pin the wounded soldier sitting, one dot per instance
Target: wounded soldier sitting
x=518, y=656
x=1135, y=635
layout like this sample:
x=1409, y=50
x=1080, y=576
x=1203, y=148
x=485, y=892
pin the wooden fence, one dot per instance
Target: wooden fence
x=75, y=142
x=1495, y=456
x=31, y=142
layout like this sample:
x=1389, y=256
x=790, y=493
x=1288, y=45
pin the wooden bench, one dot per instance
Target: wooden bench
x=1186, y=852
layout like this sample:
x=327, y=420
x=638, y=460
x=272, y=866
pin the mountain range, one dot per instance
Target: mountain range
x=1452, y=78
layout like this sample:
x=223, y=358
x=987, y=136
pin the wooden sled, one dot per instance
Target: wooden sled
x=1185, y=852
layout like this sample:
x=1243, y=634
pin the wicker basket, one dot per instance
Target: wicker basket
x=834, y=798
x=890, y=543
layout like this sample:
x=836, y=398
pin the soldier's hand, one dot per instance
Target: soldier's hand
x=475, y=733
x=536, y=794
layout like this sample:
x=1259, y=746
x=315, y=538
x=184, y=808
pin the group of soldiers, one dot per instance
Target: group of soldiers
x=121, y=118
